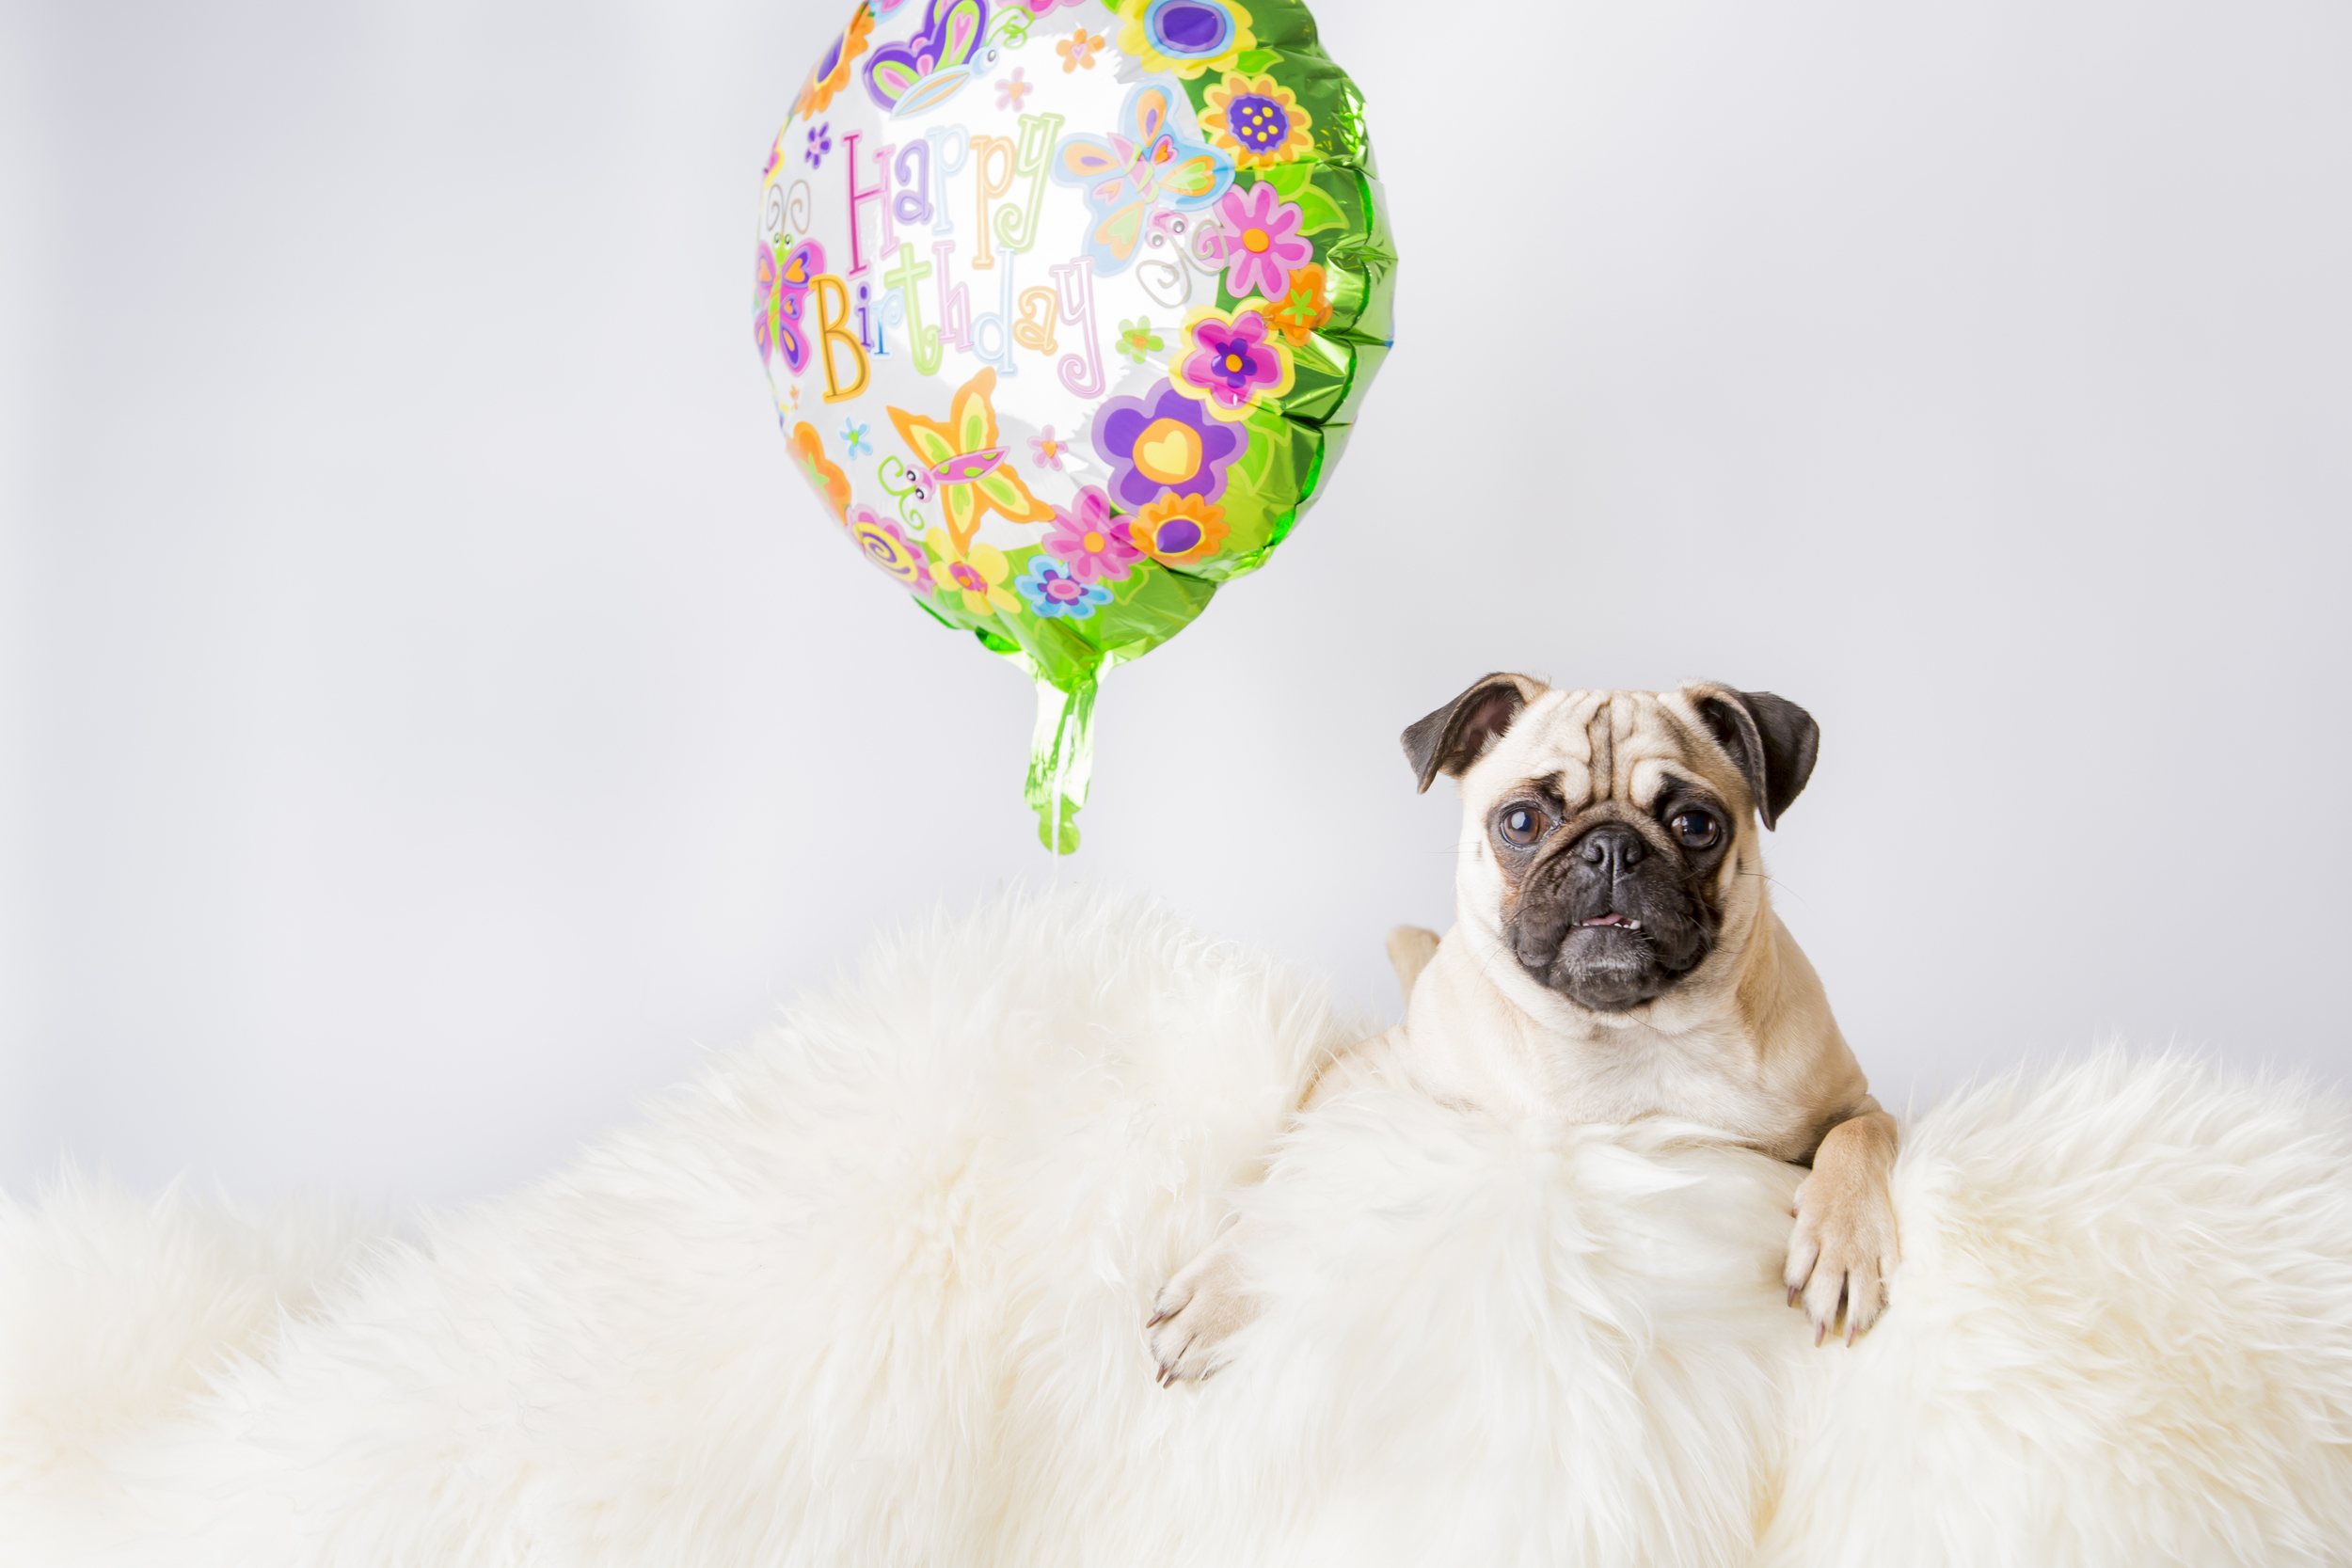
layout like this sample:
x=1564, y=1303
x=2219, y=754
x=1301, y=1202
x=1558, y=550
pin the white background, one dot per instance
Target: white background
x=434, y=710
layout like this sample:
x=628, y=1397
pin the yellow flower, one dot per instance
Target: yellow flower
x=1177, y=530
x=1186, y=36
x=978, y=574
x=1256, y=121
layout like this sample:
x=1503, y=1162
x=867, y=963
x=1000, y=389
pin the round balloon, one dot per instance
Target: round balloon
x=1066, y=307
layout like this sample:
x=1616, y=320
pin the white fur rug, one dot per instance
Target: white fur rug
x=871, y=1292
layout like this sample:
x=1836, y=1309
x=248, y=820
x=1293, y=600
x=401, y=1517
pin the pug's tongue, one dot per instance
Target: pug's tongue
x=1611, y=919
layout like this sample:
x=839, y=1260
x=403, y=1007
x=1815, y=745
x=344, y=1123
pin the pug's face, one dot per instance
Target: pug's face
x=1612, y=833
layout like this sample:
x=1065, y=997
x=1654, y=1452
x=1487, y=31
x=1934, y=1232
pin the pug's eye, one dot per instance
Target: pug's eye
x=1698, y=830
x=1521, y=826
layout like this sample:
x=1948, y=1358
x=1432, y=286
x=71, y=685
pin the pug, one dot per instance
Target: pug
x=1614, y=955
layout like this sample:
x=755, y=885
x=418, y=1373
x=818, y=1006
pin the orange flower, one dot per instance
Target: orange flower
x=1176, y=530
x=1079, y=50
x=829, y=482
x=833, y=71
x=1307, y=307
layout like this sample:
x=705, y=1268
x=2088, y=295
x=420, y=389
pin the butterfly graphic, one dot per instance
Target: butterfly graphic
x=783, y=282
x=1138, y=169
x=932, y=65
x=964, y=461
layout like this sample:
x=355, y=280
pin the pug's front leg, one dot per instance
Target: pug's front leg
x=1197, y=1310
x=1843, y=1247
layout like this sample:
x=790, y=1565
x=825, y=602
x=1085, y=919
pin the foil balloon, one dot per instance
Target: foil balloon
x=1066, y=307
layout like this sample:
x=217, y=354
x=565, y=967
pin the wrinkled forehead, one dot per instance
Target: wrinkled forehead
x=1595, y=746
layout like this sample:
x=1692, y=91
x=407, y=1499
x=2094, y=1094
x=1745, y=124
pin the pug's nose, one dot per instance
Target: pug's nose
x=1613, y=849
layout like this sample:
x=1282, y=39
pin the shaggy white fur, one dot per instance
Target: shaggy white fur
x=872, y=1292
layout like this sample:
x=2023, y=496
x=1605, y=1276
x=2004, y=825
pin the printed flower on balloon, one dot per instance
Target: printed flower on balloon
x=1177, y=531
x=1055, y=590
x=1306, y=307
x=833, y=71
x=1163, y=442
x=1048, y=449
x=976, y=573
x=1187, y=37
x=1263, y=243
x=1234, y=364
x=900, y=558
x=823, y=475
x=1257, y=120
x=1137, y=338
x=1096, y=549
x=1079, y=50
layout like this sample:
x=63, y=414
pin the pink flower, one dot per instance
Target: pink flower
x=1085, y=539
x=1262, y=245
x=1010, y=90
x=1048, y=449
x=1233, y=364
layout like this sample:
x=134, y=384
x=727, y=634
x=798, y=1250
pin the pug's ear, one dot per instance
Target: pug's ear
x=1449, y=739
x=1772, y=739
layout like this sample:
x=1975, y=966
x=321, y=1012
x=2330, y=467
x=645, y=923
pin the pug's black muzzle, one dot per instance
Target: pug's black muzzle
x=1611, y=919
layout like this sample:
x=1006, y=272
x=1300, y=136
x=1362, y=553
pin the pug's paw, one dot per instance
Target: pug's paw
x=1196, y=1311
x=1841, y=1253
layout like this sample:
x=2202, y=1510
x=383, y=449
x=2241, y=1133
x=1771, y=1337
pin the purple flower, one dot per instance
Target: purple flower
x=819, y=143
x=1096, y=549
x=1164, y=441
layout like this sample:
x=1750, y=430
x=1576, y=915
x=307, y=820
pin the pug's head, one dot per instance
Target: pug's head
x=1610, y=836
